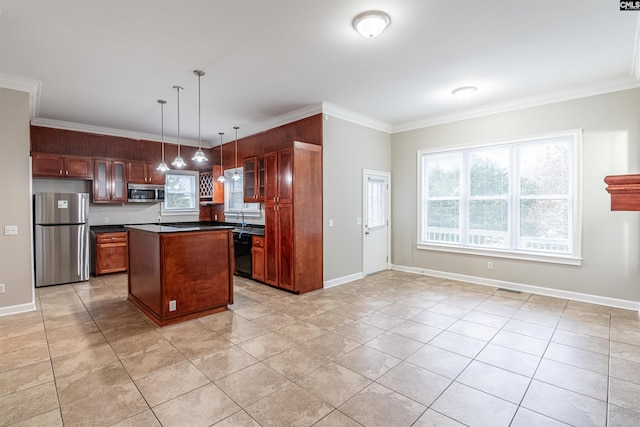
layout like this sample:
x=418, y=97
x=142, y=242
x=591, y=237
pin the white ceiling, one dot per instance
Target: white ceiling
x=104, y=63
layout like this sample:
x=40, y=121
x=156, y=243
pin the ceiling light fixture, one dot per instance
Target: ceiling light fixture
x=236, y=175
x=464, y=93
x=371, y=23
x=199, y=154
x=162, y=167
x=221, y=177
x=178, y=162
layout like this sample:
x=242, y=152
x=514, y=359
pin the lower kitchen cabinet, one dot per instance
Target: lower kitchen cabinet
x=109, y=252
x=257, y=258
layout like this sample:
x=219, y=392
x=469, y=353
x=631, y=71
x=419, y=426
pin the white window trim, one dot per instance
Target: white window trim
x=245, y=212
x=576, y=232
x=183, y=212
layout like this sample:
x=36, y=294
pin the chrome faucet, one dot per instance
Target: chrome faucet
x=238, y=217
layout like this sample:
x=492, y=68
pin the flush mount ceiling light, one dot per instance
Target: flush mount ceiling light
x=465, y=92
x=221, y=178
x=162, y=167
x=178, y=162
x=199, y=154
x=371, y=23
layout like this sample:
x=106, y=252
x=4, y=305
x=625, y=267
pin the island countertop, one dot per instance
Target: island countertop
x=159, y=228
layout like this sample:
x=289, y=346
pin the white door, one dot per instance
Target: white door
x=376, y=232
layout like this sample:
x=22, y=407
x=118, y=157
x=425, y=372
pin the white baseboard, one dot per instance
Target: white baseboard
x=575, y=296
x=342, y=280
x=15, y=309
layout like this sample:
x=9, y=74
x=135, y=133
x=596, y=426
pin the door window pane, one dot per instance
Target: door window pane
x=376, y=210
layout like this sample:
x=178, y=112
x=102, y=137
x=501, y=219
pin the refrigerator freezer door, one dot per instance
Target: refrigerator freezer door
x=61, y=208
x=62, y=254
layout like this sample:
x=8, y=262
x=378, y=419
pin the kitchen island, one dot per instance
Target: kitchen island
x=180, y=273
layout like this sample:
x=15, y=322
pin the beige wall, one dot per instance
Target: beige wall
x=610, y=240
x=15, y=206
x=348, y=148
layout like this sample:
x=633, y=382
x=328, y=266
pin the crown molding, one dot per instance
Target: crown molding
x=357, y=118
x=23, y=84
x=59, y=124
x=567, y=94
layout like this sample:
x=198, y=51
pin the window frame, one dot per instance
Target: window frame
x=575, y=197
x=196, y=194
x=249, y=210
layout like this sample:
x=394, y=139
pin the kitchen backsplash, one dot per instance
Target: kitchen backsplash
x=126, y=213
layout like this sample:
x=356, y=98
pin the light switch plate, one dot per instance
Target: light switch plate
x=10, y=229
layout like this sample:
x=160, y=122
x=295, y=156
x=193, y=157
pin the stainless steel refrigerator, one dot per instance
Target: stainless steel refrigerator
x=61, y=222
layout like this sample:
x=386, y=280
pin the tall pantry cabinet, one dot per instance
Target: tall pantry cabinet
x=293, y=217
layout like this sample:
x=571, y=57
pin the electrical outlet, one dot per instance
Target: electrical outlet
x=10, y=230
x=172, y=305
x=106, y=220
x=215, y=217
x=1, y=288
x=330, y=223
x=489, y=265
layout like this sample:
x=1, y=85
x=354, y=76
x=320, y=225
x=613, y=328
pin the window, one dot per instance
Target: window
x=234, y=195
x=376, y=215
x=516, y=199
x=181, y=192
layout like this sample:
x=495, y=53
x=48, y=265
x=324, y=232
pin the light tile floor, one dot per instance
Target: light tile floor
x=392, y=349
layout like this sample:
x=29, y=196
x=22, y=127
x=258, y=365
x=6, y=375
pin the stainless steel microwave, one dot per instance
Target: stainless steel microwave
x=145, y=193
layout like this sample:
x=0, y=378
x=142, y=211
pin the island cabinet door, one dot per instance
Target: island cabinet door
x=197, y=271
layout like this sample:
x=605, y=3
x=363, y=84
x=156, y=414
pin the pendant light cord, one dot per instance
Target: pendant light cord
x=199, y=73
x=178, y=92
x=162, y=102
x=236, y=128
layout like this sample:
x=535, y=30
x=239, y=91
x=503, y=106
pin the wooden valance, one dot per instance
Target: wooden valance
x=625, y=192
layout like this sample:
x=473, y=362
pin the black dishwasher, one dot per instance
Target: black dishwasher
x=243, y=257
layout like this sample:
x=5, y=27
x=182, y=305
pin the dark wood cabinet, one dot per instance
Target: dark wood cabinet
x=109, y=252
x=55, y=166
x=257, y=258
x=175, y=276
x=109, y=181
x=625, y=192
x=144, y=173
x=293, y=218
x=253, y=179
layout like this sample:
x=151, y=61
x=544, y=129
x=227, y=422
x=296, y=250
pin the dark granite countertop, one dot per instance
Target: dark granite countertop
x=155, y=228
x=173, y=227
x=108, y=228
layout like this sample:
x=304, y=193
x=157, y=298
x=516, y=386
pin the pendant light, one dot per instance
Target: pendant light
x=178, y=162
x=162, y=167
x=199, y=155
x=221, y=178
x=236, y=176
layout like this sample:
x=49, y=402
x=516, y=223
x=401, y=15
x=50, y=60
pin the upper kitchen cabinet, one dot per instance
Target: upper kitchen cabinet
x=293, y=217
x=253, y=179
x=55, y=166
x=109, y=183
x=144, y=173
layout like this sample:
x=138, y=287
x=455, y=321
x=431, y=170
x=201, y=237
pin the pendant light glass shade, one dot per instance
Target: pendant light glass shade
x=162, y=167
x=236, y=175
x=199, y=155
x=178, y=161
x=221, y=178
